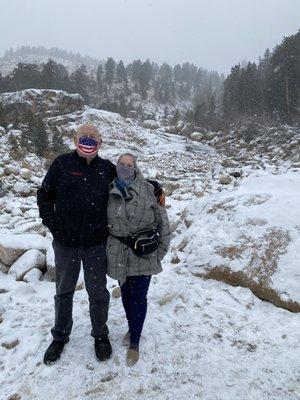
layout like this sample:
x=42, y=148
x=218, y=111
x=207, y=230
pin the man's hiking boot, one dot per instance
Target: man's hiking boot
x=132, y=355
x=54, y=351
x=103, y=348
x=126, y=339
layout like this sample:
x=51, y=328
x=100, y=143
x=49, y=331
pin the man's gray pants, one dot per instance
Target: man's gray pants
x=67, y=264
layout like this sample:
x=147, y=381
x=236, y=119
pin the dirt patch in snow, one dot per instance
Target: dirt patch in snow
x=265, y=252
x=239, y=278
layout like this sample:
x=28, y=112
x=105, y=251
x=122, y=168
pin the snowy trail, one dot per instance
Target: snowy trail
x=208, y=341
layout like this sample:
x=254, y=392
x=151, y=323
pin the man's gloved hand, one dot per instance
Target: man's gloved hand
x=162, y=199
x=158, y=192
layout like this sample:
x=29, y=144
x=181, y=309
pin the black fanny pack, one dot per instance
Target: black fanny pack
x=142, y=242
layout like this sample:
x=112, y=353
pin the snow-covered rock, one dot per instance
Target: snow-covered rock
x=4, y=219
x=225, y=179
x=16, y=211
x=80, y=283
x=44, y=102
x=4, y=268
x=30, y=259
x=22, y=189
x=116, y=292
x=11, y=169
x=13, y=246
x=10, y=344
x=25, y=173
x=34, y=275
x=197, y=136
x=150, y=124
x=50, y=263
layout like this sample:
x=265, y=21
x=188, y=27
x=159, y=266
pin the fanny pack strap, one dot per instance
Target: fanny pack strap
x=127, y=240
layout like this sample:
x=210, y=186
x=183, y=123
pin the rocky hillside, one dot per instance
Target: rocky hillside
x=205, y=175
x=230, y=287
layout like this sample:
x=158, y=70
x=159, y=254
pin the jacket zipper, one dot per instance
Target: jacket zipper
x=84, y=217
x=136, y=242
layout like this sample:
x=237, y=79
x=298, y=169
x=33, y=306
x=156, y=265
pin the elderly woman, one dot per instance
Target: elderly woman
x=139, y=239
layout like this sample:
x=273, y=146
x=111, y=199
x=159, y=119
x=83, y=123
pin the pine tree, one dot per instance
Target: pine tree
x=26, y=138
x=80, y=82
x=121, y=74
x=177, y=73
x=39, y=137
x=286, y=64
x=3, y=121
x=189, y=116
x=24, y=76
x=176, y=117
x=199, y=114
x=136, y=70
x=3, y=84
x=58, y=145
x=35, y=137
x=49, y=75
x=166, y=112
x=145, y=75
x=122, y=106
x=232, y=94
x=110, y=67
x=99, y=79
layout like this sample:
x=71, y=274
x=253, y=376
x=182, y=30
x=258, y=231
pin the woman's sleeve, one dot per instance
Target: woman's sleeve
x=163, y=227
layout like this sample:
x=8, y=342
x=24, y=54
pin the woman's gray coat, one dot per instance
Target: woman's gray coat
x=137, y=211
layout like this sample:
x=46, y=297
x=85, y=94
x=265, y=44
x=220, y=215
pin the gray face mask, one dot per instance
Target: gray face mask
x=125, y=173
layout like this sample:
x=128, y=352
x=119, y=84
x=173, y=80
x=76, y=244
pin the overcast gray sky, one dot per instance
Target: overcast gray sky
x=214, y=34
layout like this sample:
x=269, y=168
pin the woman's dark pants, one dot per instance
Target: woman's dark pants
x=134, y=298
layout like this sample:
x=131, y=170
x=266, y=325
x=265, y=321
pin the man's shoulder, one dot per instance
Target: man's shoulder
x=63, y=157
x=153, y=183
x=107, y=164
x=148, y=186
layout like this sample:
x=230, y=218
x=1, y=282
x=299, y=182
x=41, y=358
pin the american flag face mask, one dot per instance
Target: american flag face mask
x=87, y=146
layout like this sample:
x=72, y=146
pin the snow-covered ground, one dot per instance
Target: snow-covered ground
x=202, y=338
x=254, y=228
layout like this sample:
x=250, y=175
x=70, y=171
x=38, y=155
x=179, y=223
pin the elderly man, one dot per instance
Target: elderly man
x=72, y=202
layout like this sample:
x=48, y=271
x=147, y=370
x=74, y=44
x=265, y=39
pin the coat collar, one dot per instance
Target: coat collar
x=83, y=160
x=136, y=185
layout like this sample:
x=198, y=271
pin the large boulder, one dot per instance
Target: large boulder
x=198, y=136
x=46, y=103
x=13, y=246
x=31, y=259
x=33, y=276
x=150, y=124
x=22, y=189
x=25, y=173
x=225, y=179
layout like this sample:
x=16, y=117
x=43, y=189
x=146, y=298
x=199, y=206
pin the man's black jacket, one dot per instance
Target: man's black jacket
x=73, y=199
